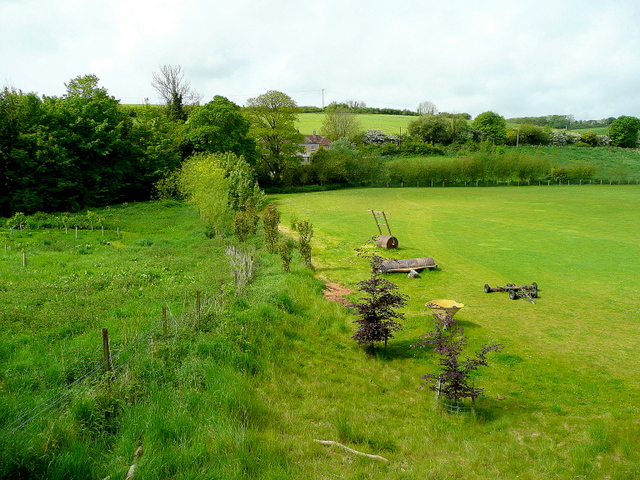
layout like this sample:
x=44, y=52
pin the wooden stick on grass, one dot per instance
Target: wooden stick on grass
x=356, y=452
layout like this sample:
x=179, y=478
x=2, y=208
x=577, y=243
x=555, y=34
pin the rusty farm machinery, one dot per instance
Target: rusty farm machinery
x=524, y=291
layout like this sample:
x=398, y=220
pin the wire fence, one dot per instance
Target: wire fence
x=118, y=360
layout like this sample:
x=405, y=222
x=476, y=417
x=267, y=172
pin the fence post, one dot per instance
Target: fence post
x=76, y=231
x=24, y=258
x=198, y=303
x=106, y=351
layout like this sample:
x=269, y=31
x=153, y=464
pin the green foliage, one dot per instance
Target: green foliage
x=624, y=132
x=270, y=221
x=78, y=151
x=441, y=129
x=244, y=224
x=219, y=127
x=305, y=232
x=340, y=123
x=273, y=116
x=492, y=125
x=205, y=185
x=286, y=249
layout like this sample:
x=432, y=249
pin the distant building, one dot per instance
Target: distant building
x=311, y=144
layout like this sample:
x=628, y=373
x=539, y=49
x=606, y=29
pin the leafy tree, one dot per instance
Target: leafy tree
x=96, y=137
x=528, y=134
x=624, y=132
x=340, y=122
x=174, y=91
x=243, y=189
x=377, y=311
x=206, y=186
x=272, y=116
x=431, y=129
x=492, y=125
x=157, y=141
x=219, y=126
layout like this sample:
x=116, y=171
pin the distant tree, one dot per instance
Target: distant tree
x=376, y=137
x=355, y=104
x=219, y=126
x=174, y=91
x=432, y=129
x=624, y=132
x=340, y=122
x=377, y=311
x=273, y=116
x=492, y=125
x=528, y=134
x=427, y=108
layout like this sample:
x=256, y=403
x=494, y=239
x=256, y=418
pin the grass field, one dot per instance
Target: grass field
x=563, y=396
x=308, y=122
x=243, y=390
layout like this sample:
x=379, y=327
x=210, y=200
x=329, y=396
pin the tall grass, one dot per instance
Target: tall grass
x=242, y=386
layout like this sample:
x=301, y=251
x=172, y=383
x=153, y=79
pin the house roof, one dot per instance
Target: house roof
x=317, y=140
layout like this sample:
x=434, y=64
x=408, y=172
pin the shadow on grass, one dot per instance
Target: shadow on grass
x=467, y=324
x=398, y=349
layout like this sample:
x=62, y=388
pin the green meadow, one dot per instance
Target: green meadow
x=562, y=398
x=240, y=383
x=308, y=122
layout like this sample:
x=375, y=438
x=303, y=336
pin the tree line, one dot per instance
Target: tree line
x=85, y=150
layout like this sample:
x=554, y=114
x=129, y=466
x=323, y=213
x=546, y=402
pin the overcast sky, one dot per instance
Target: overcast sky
x=514, y=57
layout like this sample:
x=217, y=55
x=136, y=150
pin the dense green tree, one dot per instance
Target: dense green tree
x=219, y=126
x=157, y=142
x=340, y=122
x=624, y=132
x=494, y=126
x=273, y=116
x=431, y=129
x=95, y=133
x=528, y=134
x=30, y=161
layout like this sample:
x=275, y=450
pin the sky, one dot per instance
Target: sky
x=514, y=57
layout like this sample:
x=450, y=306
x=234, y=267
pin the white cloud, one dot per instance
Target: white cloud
x=515, y=58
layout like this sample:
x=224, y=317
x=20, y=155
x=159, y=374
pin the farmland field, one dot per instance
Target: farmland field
x=308, y=122
x=563, y=396
x=242, y=390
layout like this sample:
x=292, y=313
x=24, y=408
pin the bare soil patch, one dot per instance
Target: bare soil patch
x=337, y=293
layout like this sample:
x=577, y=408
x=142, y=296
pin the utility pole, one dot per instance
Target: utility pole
x=323, y=98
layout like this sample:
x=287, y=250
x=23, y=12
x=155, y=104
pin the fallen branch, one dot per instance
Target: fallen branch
x=132, y=468
x=356, y=452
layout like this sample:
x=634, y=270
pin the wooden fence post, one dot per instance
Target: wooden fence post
x=106, y=351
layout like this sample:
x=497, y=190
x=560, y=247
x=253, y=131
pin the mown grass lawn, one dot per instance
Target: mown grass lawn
x=562, y=399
